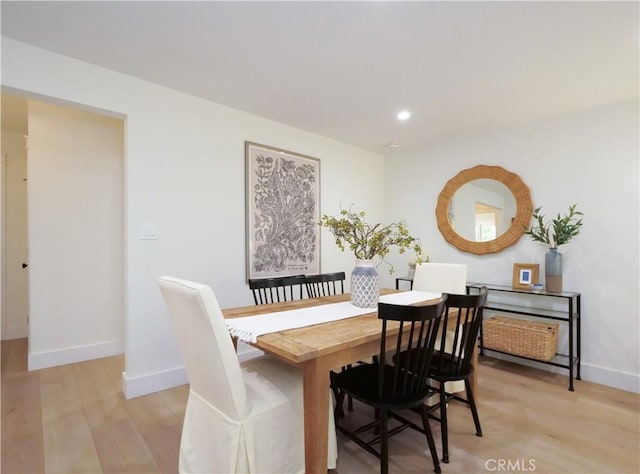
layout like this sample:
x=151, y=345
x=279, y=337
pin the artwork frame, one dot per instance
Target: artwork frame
x=525, y=275
x=282, y=212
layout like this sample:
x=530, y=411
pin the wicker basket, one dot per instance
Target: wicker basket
x=536, y=340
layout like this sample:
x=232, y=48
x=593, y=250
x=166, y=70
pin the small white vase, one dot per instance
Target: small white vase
x=365, y=286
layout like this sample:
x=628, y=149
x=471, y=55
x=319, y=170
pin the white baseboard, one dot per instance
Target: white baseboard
x=610, y=377
x=42, y=360
x=149, y=383
x=155, y=382
x=15, y=332
x=591, y=373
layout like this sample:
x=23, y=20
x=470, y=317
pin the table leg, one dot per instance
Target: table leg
x=316, y=424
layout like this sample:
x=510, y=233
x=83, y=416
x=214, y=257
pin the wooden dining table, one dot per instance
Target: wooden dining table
x=317, y=350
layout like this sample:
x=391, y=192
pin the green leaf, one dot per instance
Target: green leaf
x=557, y=232
x=368, y=241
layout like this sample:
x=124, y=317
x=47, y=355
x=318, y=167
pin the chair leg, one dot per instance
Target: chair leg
x=384, y=443
x=349, y=398
x=443, y=424
x=338, y=412
x=472, y=405
x=430, y=441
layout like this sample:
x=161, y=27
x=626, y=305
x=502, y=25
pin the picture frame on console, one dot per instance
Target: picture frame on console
x=525, y=275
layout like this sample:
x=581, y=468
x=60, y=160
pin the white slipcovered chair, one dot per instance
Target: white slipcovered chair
x=443, y=278
x=241, y=417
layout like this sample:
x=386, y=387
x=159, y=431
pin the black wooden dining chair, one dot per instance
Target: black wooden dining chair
x=401, y=386
x=325, y=284
x=452, y=358
x=278, y=289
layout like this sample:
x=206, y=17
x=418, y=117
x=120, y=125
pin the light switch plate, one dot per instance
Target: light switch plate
x=149, y=231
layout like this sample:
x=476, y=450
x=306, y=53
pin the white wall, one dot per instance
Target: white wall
x=14, y=202
x=184, y=170
x=589, y=158
x=76, y=237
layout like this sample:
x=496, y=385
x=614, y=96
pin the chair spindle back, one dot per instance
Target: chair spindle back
x=325, y=284
x=276, y=290
x=466, y=311
x=406, y=380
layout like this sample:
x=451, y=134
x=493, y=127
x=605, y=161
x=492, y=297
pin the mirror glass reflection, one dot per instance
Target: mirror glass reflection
x=482, y=210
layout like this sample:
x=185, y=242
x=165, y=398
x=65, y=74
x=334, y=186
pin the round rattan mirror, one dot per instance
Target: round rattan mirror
x=518, y=217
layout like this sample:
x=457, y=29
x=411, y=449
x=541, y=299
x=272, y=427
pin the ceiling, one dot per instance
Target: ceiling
x=344, y=69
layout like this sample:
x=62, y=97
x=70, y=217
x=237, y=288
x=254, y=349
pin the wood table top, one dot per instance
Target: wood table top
x=301, y=344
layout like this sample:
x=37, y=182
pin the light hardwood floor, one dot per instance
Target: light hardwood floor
x=74, y=419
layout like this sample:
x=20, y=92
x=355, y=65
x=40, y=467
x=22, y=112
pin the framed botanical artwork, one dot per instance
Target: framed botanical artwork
x=525, y=275
x=282, y=212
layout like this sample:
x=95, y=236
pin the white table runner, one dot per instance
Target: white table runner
x=249, y=328
x=409, y=297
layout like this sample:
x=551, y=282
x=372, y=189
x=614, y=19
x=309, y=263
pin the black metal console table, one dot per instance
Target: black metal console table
x=569, y=314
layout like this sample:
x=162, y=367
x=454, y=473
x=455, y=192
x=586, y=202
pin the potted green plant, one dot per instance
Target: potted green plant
x=558, y=231
x=367, y=241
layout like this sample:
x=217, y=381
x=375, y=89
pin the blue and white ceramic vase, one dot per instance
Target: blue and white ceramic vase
x=553, y=271
x=365, y=286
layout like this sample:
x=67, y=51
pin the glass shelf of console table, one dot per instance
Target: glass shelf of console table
x=569, y=313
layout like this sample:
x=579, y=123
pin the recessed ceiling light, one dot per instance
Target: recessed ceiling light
x=403, y=115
